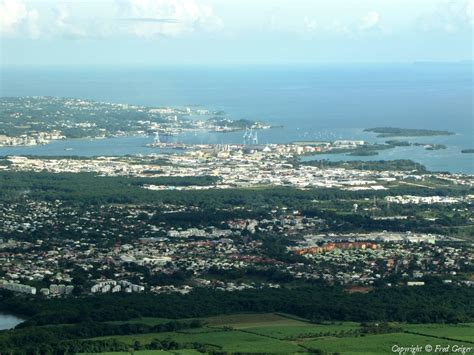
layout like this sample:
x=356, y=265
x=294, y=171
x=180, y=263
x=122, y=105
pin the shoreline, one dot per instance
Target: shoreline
x=9, y=320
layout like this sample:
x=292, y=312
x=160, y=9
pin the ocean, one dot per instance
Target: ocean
x=311, y=103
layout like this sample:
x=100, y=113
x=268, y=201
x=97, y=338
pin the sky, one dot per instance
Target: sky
x=222, y=32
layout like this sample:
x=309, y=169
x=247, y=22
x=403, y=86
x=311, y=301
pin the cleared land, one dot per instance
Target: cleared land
x=283, y=334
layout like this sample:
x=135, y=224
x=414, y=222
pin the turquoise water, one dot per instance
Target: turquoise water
x=9, y=321
x=450, y=159
x=312, y=103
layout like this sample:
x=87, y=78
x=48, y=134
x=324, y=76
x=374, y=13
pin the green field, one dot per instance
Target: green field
x=376, y=344
x=153, y=352
x=282, y=334
x=144, y=320
x=301, y=332
x=220, y=340
x=463, y=332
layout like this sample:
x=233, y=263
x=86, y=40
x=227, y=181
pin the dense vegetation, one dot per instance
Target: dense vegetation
x=378, y=165
x=60, y=337
x=406, y=132
x=433, y=303
x=85, y=316
x=361, y=150
x=87, y=187
x=87, y=190
x=232, y=124
x=23, y=115
x=79, y=118
x=427, y=146
x=92, y=189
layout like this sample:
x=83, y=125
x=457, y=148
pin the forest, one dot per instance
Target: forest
x=93, y=189
x=46, y=327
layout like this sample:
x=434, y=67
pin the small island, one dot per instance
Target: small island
x=348, y=147
x=406, y=132
x=467, y=151
x=363, y=153
x=427, y=146
x=396, y=143
x=379, y=165
x=434, y=146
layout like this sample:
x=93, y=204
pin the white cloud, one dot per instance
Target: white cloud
x=369, y=21
x=470, y=11
x=140, y=18
x=271, y=23
x=64, y=24
x=12, y=12
x=310, y=24
x=33, y=26
x=172, y=17
x=452, y=16
x=61, y=15
x=339, y=27
x=15, y=17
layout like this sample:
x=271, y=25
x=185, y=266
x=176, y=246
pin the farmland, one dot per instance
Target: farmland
x=273, y=333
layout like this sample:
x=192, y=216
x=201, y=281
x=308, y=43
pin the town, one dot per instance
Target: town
x=59, y=248
x=153, y=258
x=236, y=178
x=27, y=121
x=238, y=166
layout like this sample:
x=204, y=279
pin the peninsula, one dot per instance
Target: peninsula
x=39, y=120
x=406, y=132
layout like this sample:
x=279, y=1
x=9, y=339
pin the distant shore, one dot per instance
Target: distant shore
x=384, y=132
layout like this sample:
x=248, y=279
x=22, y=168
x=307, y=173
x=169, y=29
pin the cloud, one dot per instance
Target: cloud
x=159, y=20
x=12, y=13
x=135, y=18
x=150, y=18
x=15, y=17
x=339, y=27
x=64, y=24
x=310, y=24
x=470, y=12
x=33, y=25
x=369, y=21
x=451, y=16
x=367, y=24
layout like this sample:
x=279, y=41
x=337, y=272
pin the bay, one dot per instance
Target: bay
x=311, y=103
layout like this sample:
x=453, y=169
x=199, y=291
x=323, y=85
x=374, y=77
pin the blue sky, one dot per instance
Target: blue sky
x=220, y=32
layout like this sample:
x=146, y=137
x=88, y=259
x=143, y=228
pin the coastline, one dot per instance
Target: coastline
x=9, y=321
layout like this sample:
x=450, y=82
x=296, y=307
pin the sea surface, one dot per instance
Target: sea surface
x=9, y=321
x=311, y=103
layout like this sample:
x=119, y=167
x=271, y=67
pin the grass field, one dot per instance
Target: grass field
x=300, y=332
x=153, y=352
x=464, y=332
x=282, y=334
x=145, y=320
x=375, y=344
x=241, y=321
x=231, y=341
